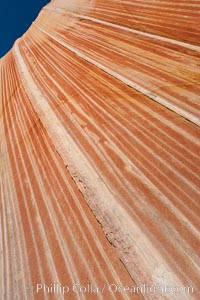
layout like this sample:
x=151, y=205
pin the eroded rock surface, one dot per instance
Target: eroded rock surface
x=99, y=139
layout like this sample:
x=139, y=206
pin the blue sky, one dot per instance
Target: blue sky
x=15, y=18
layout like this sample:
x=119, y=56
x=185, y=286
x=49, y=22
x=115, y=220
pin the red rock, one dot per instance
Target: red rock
x=100, y=153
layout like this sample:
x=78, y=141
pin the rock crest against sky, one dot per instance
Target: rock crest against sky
x=99, y=153
x=15, y=18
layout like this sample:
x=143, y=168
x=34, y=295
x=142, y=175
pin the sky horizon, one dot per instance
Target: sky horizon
x=15, y=18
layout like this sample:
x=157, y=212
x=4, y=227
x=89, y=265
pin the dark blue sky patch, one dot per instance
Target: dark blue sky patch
x=16, y=17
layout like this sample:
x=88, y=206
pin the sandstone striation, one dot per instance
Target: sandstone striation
x=100, y=153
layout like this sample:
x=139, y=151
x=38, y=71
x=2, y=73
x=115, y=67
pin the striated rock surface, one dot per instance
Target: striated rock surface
x=99, y=153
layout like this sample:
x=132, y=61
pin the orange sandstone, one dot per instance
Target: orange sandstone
x=100, y=149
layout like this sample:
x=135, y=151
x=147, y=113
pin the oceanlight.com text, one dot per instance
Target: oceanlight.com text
x=114, y=288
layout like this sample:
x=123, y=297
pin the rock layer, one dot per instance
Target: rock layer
x=100, y=152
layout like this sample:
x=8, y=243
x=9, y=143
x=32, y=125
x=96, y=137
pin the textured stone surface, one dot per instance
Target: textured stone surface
x=99, y=161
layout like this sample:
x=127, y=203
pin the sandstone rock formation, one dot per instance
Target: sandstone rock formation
x=99, y=153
